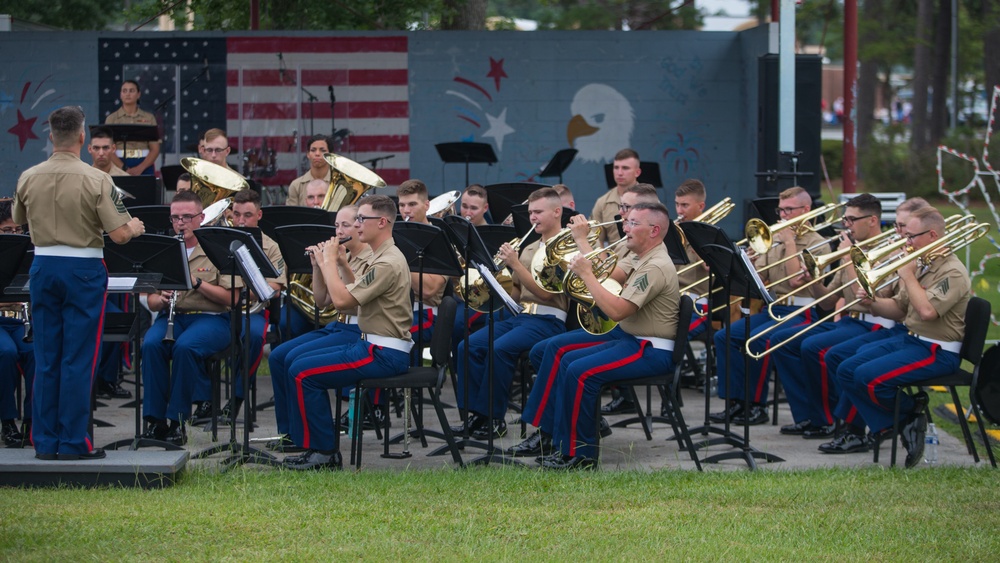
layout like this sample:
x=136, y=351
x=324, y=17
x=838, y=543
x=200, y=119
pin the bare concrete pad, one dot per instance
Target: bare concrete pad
x=143, y=469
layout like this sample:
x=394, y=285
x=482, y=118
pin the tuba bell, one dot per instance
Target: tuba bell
x=549, y=268
x=349, y=181
x=211, y=182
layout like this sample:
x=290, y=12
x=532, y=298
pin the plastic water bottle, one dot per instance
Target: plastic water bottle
x=350, y=413
x=930, y=445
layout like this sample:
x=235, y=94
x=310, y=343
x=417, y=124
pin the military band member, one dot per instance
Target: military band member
x=544, y=316
x=139, y=157
x=319, y=169
x=689, y=202
x=68, y=206
x=427, y=288
x=381, y=293
x=183, y=182
x=216, y=147
x=474, y=205
x=171, y=373
x=626, y=174
x=17, y=358
x=315, y=193
x=102, y=149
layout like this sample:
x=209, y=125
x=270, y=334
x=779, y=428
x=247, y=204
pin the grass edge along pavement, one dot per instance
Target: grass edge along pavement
x=505, y=513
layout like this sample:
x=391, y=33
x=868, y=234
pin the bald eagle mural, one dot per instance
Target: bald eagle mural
x=601, y=124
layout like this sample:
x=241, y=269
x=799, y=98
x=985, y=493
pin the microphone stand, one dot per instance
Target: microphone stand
x=312, y=99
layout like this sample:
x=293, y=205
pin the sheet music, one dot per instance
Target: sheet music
x=498, y=290
x=762, y=290
x=121, y=283
x=253, y=275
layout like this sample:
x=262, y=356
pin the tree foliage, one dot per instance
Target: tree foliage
x=77, y=15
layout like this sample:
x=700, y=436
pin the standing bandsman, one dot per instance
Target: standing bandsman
x=139, y=157
x=319, y=169
x=68, y=206
x=626, y=174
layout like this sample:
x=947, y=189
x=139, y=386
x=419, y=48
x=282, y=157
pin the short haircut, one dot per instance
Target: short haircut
x=476, y=190
x=655, y=207
x=930, y=218
x=101, y=133
x=691, y=187
x=794, y=191
x=6, y=208
x=185, y=196
x=247, y=196
x=66, y=124
x=562, y=189
x=382, y=205
x=644, y=191
x=912, y=204
x=319, y=137
x=213, y=134
x=546, y=193
x=626, y=153
x=411, y=187
x=352, y=208
x=867, y=204
x=317, y=182
x=184, y=177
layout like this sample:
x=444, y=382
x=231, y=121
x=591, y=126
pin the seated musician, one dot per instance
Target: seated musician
x=851, y=437
x=474, y=205
x=689, y=202
x=139, y=157
x=170, y=373
x=931, y=301
x=563, y=401
x=626, y=173
x=247, y=213
x=428, y=289
x=17, y=358
x=183, y=182
x=315, y=192
x=809, y=388
x=381, y=292
x=101, y=149
x=544, y=316
x=792, y=203
x=319, y=169
x=351, y=259
x=565, y=195
x=216, y=147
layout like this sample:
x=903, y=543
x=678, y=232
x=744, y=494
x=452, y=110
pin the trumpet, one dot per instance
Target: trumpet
x=550, y=267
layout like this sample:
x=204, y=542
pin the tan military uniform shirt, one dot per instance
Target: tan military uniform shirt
x=141, y=117
x=115, y=171
x=67, y=202
x=273, y=254
x=357, y=264
x=605, y=209
x=652, y=286
x=297, y=189
x=527, y=253
x=778, y=252
x=948, y=288
x=383, y=291
x=202, y=268
x=627, y=261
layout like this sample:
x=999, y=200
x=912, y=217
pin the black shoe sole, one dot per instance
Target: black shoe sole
x=97, y=454
x=46, y=457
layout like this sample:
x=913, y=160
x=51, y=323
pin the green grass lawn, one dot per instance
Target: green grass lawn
x=516, y=514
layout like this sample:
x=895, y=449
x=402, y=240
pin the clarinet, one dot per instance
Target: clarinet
x=28, y=335
x=169, y=335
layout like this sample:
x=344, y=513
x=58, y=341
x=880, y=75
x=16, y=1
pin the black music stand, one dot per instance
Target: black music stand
x=14, y=251
x=502, y=197
x=125, y=132
x=143, y=190
x=147, y=255
x=223, y=247
x=674, y=243
x=730, y=270
x=170, y=173
x=156, y=218
x=559, y=163
x=275, y=216
x=649, y=174
x=467, y=153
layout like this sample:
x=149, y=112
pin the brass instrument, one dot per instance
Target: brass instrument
x=443, y=203
x=478, y=298
x=591, y=317
x=760, y=236
x=211, y=182
x=349, y=181
x=712, y=215
x=550, y=267
x=29, y=335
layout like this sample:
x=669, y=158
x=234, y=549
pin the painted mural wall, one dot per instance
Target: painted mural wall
x=684, y=100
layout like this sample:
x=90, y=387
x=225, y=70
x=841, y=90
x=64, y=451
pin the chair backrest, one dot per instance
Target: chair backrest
x=977, y=323
x=444, y=324
x=683, y=322
x=986, y=386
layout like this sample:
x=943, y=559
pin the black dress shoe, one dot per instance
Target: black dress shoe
x=96, y=453
x=619, y=405
x=534, y=445
x=847, y=443
x=555, y=455
x=819, y=432
x=912, y=435
x=204, y=410
x=12, y=437
x=796, y=429
x=757, y=415
x=377, y=417
x=473, y=422
x=284, y=445
x=228, y=409
x=176, y=436
x=499, y=430
x=114, y=390
x=46, y=457
x=156, y=431
x=734, y=408
x=314, y=459
x=605, y=428
x=566, y=462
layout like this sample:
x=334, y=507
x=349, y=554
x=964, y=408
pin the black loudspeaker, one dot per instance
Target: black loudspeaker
x=808, y=119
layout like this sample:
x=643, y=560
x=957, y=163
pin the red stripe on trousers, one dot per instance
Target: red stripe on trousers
x=97, y=351
x=763, y=367
x=320, y=370
x=701, y=320
x=824, y=382
x=552, y=376
x=427, y=324
x=582, y=382
x=900, y=371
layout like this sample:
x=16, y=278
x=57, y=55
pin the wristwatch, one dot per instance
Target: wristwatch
x=197, y=284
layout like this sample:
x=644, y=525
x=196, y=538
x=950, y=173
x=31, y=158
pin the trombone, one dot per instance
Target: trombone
x=712, y=215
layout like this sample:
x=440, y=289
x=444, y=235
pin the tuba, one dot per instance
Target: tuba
x=211, y=182
x=349, y=181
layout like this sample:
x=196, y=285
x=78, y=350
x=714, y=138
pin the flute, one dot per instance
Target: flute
x=340, y=241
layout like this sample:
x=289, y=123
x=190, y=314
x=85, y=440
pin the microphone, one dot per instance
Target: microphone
x=208, y=73
x=333, y=98
x=281, y=68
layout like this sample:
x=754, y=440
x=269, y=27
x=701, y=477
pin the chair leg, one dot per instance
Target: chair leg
x=777, y=398
x=449, y=438
x=895, y=426
x=982, y=432
x=681, y=431
x=970, y=444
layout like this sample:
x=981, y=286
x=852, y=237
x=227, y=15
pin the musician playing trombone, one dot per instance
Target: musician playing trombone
x=563, y=400
x=931, y=301
x=544, y=316
x=789, y=243
x=689, y=203
x=809, y=387
x=171, y=372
